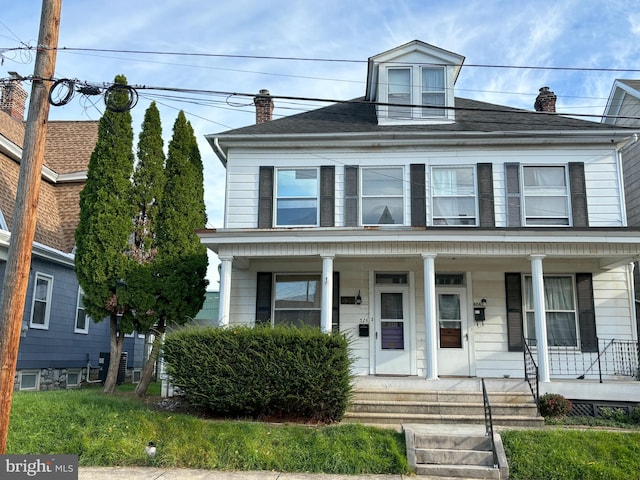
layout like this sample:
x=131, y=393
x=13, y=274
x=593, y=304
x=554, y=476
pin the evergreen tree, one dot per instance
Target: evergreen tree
x=181, y=261
x=102, y=235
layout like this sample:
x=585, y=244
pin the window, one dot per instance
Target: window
x=82, y=321
x=297, y=197
x=392, y=279
x=454, y=196
x=73, y=378
x=399, y=92
x=560, y=310
x=546, y=196
x=433, y=92
x=382, y=196
x=297, y=299
x=41, y=303
x=29, y=380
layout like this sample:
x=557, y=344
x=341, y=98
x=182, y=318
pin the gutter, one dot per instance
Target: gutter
x=217, y=149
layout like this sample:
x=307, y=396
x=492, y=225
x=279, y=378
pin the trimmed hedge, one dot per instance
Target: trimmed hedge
x=262, y=372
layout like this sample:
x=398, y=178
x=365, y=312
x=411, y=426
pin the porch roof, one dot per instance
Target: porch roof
x=611, y=246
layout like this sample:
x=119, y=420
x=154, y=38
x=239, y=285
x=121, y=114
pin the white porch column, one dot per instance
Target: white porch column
x=327, y=293
x=430, y=318
x=537, y=282
x=225, y=290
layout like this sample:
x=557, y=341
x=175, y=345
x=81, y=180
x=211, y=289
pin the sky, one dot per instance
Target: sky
x=318, y=49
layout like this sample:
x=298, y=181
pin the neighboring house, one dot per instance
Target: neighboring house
x=623, y=109
x=58, y=344
x=437, y=232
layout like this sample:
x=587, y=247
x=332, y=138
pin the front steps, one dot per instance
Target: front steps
x=461, y=451
x=394, y=402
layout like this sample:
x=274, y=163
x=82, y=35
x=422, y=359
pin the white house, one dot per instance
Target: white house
x=436, y=231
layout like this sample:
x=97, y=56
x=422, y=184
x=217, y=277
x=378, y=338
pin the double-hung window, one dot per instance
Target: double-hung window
x=433, y=92
x=382, y=196
x=41, y=301
x=546, y=195
x=399, y=88
x=453, y=193
x=297, y=299
x=297, y=197
x=560, y=306
x=82, y=321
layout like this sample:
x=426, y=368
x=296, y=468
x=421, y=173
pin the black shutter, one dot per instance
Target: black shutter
x=335, y=310
x=264, y=285
x=351, y=196
x=265, y=198
x=327, y=196
x=512, y=180
x=513, y=290
x=418, y=196
x=586, y=312
x=577, y=186
x=485, y=195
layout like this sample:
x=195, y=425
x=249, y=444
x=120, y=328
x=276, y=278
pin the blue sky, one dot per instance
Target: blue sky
x=594, y=34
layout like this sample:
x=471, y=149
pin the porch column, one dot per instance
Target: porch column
x=225, y=290
x=327, y=293
x=537, y=282
x=431, y=321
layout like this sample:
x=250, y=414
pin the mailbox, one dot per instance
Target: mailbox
x=363, y=330
x=478, y=314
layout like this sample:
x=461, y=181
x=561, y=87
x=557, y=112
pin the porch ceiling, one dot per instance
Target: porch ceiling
x=611, y=247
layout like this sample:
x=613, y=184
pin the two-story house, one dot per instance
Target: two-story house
x=439, y=233
x=59, y=344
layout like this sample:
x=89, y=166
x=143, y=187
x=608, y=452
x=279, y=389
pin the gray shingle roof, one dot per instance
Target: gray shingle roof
x=358, y=116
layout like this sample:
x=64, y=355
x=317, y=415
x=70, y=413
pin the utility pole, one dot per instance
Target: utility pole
x=24, y=216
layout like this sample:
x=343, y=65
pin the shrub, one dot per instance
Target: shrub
x=554, y=405
x=262, y=372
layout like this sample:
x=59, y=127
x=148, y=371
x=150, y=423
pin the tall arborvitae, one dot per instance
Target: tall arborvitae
x=102, y=236
x=181, y=262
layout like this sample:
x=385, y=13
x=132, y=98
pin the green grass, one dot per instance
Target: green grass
x=570, y=454
x=109, y=430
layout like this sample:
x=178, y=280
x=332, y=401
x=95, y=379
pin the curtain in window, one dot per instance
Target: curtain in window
x=559, y=303
x=432, y=79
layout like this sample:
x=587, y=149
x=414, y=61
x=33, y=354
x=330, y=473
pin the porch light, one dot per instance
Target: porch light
x=358, y=298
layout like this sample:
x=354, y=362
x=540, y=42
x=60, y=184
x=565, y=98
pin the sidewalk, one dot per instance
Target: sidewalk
x=143, y=473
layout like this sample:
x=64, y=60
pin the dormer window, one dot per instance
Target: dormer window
x=399, y=92
x=425, y=98
x=433, y=92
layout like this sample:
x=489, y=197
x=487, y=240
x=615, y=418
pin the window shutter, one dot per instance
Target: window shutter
x=327, y=196
x=586, y=312
x=335, y=310
x=265, y=198
x=513, y=289
x=512, y=180
x=351, y=196
x=578, y=188
x=418, y=196
x=264, y=284
x=485, y=195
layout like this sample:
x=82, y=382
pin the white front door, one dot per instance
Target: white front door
x=393, y=346
x=453, y=336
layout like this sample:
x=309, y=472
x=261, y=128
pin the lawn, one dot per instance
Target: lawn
x=109, y=430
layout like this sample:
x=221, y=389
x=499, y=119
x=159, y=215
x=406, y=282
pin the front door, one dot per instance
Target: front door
x=453, y=337
x=392, y=356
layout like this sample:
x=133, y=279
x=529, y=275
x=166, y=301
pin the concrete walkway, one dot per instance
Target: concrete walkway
x=143, y=473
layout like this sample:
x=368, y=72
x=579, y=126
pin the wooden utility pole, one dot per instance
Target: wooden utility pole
x=24, y=216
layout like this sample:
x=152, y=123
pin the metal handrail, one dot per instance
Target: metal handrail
x=534, y=383
x=488, y=423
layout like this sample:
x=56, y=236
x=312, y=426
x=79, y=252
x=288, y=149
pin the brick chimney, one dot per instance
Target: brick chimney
x=13, y=97
x=545, y=101
x=264, y=106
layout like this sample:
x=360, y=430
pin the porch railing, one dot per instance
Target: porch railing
x=531, y=374
x=611, y=357
x=488, y=423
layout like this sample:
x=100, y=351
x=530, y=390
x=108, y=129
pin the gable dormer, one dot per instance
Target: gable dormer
x=413, y=84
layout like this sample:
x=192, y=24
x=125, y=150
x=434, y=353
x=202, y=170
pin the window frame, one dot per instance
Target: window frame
x=80, y=306
x=362, y=197
x=393, y=108
x=527, y=311
x=74, y=371
x=417, y=109
x=277, y=198
x=435, y=221
x=49, y=297
x=530, y=220
x=428, y=111
x=36, y=374
x=317, y=277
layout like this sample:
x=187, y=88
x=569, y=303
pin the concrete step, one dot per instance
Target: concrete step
x=470, y=442
x=442, y=456
x=457, y=471
x=401, y=418
x=450, y=408
x=440, y=396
